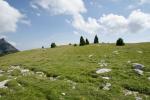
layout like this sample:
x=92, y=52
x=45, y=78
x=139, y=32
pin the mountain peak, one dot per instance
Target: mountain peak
x=6, y=47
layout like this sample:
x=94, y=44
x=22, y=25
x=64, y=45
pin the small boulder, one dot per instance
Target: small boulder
x=2, y=84
x=140, y=52
x=115, y=52
x=128, y=62
x=138, y=71
x=106, y=86
x=107, y=78
x=103, y=70
x=138, y=66
x=127, y=92
x=138, y=98
x=90, y=56
x=63, y=94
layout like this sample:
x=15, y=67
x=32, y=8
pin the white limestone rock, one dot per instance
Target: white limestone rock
x=138, y=71
x=107, y=78
x=2, y=84
x=107, y=86
x=103, y=70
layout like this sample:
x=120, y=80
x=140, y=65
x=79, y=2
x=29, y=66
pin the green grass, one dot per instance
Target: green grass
x=73, y=63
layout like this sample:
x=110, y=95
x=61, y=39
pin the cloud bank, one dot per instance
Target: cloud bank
x=137, y=21
x=9, y=17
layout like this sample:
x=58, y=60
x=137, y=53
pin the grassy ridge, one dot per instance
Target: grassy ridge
x=73, y=64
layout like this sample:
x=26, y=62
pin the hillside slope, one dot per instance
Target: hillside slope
x=69, y=73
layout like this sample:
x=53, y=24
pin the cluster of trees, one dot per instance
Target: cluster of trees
x=83, y=42
x=86, y=41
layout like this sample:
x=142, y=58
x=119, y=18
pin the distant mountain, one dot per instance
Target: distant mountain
x=6, y=48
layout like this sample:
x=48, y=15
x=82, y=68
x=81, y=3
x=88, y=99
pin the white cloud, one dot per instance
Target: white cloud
x=9, y=17
x=144, y=1
x=137, y=21
x=69, y=7
x=113, y=23
x=3, y=36
x=90, y=26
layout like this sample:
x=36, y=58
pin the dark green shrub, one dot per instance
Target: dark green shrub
x=120, y=42
x=53, y=45
x=75, y=45
x=70, y=44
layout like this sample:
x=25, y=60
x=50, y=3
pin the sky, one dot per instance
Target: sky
x=30, y=24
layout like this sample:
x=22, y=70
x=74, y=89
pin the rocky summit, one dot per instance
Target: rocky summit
x=6, y=47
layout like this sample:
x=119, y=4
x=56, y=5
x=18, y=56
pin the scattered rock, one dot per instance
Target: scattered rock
x=41, y=74
x=107, y=78
x=129, y=62
x=2, y=84
x=127, y=92
x=138, y=66
x=115, y=52
x=140, y=52
x=63, y=94
x=138, y=98
x=73, y=87
x=1, y=71
x=106, y=86
x=90, y=56
x=103, y=63
x=103, y=70
x=24, y=71
x=19, y=84
x=138, y=71
x=52, y=78
x=15, y=67
x=73, y=83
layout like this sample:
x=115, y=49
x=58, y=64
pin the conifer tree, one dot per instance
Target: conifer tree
x=82, y=41
x=96, y=39
x=87, y=42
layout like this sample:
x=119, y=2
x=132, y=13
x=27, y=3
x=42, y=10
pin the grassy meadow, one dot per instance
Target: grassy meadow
x=69, y=73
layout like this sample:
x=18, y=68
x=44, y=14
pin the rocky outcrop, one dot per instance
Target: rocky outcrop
x=6, y=48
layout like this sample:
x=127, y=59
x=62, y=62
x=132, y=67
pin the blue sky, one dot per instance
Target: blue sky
x=40, y=22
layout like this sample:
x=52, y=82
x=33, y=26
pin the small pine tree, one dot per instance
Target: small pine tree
x=42, y=47
x=120, y=42
x=96, y=39
x=87, y=42
x=82, y=41
x=53, y=45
